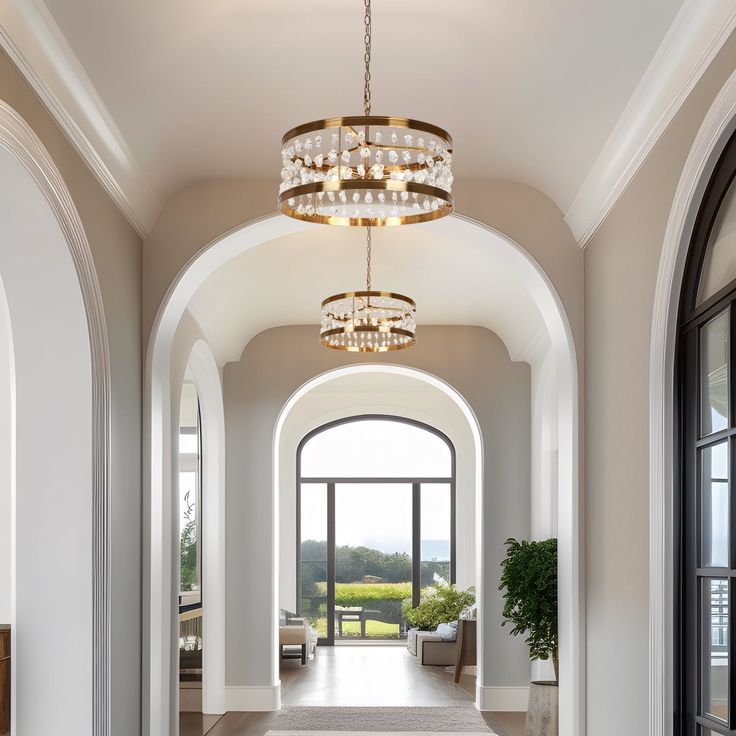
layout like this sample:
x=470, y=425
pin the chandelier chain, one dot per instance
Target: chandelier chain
x=367, y=59
x=368, y=256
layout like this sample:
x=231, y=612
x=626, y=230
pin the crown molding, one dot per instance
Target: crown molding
x=698, y=32
x=36, y=45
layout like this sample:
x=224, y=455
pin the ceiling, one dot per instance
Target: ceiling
x=530, y=90
x=284, y=281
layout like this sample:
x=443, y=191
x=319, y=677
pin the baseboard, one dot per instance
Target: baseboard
x=252, y=697
x=503, y=698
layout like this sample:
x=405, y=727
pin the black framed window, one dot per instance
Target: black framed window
x=375, y=523
x=705, y=561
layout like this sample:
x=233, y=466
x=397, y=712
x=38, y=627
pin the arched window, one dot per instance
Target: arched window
x=705, y=563
x=375, y=523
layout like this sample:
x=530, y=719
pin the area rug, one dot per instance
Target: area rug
x=319, y=721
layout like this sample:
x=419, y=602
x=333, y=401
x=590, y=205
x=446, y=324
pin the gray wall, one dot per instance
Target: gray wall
x=116, y=250
x=274, y=365
x=621, y=265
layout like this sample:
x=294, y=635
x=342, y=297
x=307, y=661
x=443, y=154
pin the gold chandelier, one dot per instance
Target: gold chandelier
x=368, y=321
x=366, y=170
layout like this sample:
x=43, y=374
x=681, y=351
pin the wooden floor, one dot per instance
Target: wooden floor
x=357, y=676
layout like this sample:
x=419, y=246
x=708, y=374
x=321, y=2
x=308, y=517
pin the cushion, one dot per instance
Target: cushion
x=448, y=632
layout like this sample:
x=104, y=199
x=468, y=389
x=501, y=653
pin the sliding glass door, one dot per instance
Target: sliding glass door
x=368, y=543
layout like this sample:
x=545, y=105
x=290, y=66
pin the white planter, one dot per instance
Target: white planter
x=542, y=715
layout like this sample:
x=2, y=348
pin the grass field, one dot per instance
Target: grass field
x=373, y=629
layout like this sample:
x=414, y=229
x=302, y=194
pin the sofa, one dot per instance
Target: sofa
x=434, y=647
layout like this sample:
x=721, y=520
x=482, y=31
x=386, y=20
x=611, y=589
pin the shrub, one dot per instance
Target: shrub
x=438, y=605
x=529, y=578
x=358, y=594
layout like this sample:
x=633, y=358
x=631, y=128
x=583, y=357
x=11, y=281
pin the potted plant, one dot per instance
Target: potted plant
x=529, y=579
x=439, y=604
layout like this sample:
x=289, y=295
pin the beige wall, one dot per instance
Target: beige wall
x=273, y=366
x=621, y=265
x=116, y=250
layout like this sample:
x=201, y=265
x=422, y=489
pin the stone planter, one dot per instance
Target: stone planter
x=542, y=715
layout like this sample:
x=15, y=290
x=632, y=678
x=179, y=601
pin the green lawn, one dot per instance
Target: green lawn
x=373, y=629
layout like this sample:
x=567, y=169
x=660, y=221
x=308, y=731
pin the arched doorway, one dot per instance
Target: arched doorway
x=54, y=393
x=525, y=274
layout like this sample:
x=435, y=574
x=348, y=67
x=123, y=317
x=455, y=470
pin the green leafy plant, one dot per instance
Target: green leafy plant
x=439, y=604
x=529, y=577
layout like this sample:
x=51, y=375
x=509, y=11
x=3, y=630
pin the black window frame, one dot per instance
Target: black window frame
x=689, y=574
x=331, y=482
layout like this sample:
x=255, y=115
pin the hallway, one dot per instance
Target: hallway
x=363, y=675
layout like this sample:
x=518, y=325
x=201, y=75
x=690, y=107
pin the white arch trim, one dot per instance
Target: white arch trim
x=17, y=137
x=158, y=683
x=469, y=415
x=717, y=127
x=206, y=377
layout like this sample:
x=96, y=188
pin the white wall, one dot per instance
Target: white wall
x=6, y=458
x=621, y=266
x=375, y=394
x=53, y=462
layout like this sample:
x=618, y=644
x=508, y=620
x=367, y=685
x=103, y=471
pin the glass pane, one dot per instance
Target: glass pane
x=188, y=532
x=714, y=509
x=435, y=525
x=376, y=448
x=373, y=539
x=719, y=266
x=313, y=567
x=714, y=369
x=714, y=648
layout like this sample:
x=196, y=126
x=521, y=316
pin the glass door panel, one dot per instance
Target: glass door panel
x=373, y=562
x=714, y=370
x=714, y=649
x=715, y=505
x=436, y=533
x=313, y=578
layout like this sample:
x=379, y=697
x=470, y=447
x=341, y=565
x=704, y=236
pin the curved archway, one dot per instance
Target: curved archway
x=528, y=274
x=58, y=365
x=717, y=128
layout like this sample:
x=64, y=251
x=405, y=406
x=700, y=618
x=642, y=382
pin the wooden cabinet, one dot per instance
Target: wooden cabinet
x=4, y=680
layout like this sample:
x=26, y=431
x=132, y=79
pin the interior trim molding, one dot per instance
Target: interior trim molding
x=696, y=35
x=507, y=699
x=252, y=697
x=19, y=139
x=36, y=45
x=717, y=127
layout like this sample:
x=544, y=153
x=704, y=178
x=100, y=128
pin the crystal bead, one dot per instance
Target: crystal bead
x=331, y=196
x=430, y=161
x=435, y=204
x=406, y=155
x=379, y=156
x=378, y=136
x=365, y=152
x=298, y=145
x=425, y=204
x=368, y=198
x=395, y=197
x=361, y=137
x=307, y=160
x=292, y=201
x=308, y=144
x=408, y=139
x=318, y=141
x=335, y=139
x=300, y=209
x=349, y=139
x=421, y=158
x=394, y=212
x=343, y=197
x=377, y=171
x=332, y=156
x=394, y=137
x=346, y=156
x=432, y=145
x=393, y=157
x=318, y=159
x=381, y=197
x=356, y=197
x=361, y=171
x=420, y=142
x=408, y=175
x=404, y=196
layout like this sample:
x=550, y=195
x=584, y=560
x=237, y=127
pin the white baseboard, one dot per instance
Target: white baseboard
x=252, y=697
x=503, y=698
